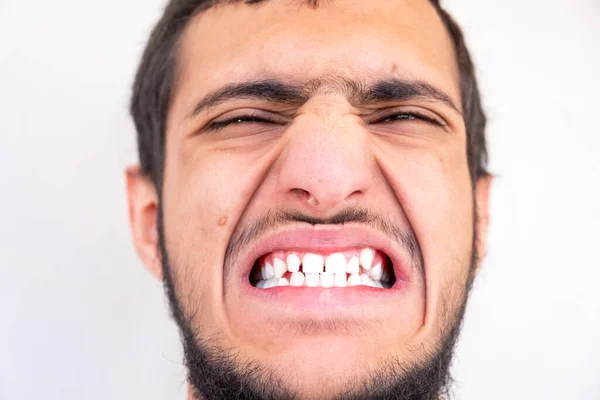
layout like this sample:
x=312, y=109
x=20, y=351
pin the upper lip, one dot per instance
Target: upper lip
x=327, y=239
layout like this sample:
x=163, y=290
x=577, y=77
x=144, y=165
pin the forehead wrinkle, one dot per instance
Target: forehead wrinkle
x=384, y=89
x=328, y=84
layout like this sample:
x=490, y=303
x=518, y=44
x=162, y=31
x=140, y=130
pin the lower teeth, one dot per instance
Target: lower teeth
x=298, y=279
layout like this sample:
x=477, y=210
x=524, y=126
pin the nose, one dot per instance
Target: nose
x=326, y=166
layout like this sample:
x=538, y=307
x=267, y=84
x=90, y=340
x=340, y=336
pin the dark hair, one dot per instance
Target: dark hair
x=152, y=89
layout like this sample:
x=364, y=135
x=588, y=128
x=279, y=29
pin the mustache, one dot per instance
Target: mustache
x=244, y=236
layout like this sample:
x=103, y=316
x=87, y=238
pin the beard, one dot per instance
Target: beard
x=216, y=372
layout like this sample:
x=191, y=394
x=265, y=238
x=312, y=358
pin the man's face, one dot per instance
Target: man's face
x=336, y=141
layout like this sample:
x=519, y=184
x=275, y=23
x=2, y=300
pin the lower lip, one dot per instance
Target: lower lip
x=318, y=298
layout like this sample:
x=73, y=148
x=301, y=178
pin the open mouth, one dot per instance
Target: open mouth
x=353, y=267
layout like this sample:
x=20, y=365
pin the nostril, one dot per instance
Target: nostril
x=356, y=193
x=301, y=194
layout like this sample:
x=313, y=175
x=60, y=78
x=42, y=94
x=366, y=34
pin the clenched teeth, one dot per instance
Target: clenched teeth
x=280, y=268
x=312, y=263
x=293, y=263
x=335, y=263
x=355, y=267
x=297, y=279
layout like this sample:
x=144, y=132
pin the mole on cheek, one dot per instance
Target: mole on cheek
x=222, y=221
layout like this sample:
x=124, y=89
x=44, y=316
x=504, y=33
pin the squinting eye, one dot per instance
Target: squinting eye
x=397, y=117
x=244, y=119
x=408, y=117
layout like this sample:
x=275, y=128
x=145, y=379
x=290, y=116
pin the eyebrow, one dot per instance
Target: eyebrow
x=275, y=91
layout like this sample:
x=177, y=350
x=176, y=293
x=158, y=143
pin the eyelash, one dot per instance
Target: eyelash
x=402, y=116
x=408, y=116
x=237, y=120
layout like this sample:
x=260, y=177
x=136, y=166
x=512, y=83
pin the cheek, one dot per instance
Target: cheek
x=434, y=189
x=218, y=178
x=432, y=184
x=204, y=193
x=206, y=187
x=438, y=202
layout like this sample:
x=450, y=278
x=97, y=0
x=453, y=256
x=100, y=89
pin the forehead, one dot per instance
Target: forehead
x=281, y=39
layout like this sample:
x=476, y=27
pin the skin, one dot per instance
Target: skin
x=329, y=154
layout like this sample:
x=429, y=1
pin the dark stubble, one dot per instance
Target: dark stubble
x=216, y=372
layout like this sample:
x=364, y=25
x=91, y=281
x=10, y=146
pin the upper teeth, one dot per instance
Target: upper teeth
x=293, y=263
x=376, y=272
x=280, y=269
x=312, y=263
x=269, y=272
x=353, y=266
x=335, y=263
x=366, y=258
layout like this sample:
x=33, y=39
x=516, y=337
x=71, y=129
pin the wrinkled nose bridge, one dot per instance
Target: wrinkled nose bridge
x=326, y=163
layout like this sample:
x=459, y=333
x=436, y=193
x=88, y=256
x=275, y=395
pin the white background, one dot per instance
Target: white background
x=81, y=319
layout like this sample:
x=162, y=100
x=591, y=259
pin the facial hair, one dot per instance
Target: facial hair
x=216, y=372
